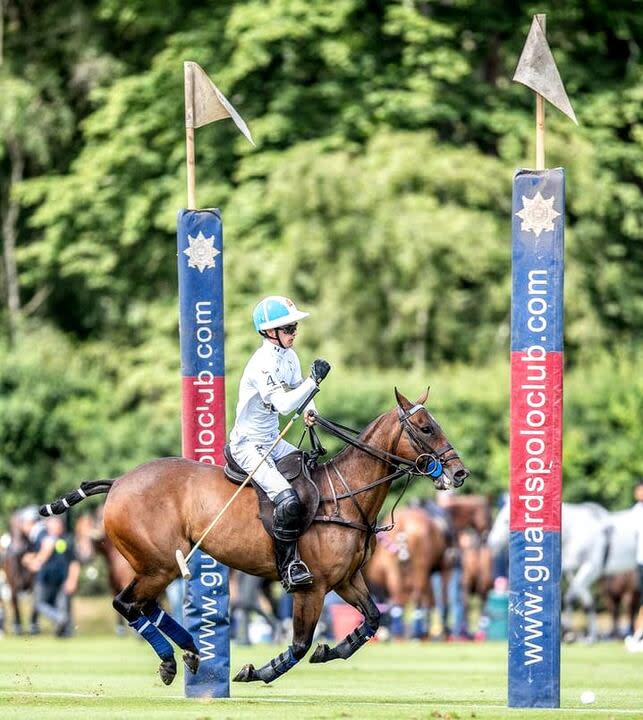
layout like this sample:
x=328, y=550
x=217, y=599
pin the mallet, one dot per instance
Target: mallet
x=183, y=560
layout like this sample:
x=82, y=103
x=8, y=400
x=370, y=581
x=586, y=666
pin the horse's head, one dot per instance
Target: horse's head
x=423, y=441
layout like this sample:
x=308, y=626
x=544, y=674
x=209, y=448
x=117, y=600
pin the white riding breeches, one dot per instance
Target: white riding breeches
x=250, y=453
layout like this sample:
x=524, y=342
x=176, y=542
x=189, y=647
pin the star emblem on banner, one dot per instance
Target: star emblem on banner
x=201, y=253
x=537, y=214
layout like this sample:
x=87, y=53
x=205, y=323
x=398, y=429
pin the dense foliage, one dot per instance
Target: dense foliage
x=378, y=196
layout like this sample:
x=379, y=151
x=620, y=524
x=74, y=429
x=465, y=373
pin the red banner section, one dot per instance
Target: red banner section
x=536, y=441
x=203, y=418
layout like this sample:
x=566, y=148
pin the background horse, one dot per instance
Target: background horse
x=18, y=578
x=91, y=541
x=470, y=517
x=595, y=543
x=187, y=494
x=402, y=564
x=251, y=595
x=620, y=595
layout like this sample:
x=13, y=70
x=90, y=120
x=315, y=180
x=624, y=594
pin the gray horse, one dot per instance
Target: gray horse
x=595, y=543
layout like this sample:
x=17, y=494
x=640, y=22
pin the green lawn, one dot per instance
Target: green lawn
x=104, y=677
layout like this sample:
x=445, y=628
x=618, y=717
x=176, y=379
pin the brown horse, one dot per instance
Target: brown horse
x=19, y=579
x=402, y=565
x=468, y=512
x=167, y=504
x=91, y=540
x=470, y=517
x=620, y=594
x=471, y=520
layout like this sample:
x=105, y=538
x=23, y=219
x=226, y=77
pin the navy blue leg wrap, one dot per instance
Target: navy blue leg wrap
x=277, y=666
x=145, y=628
x=168, y=625
x=359, y=636
x=420, y=623
x=349, y=645
x=396, y=613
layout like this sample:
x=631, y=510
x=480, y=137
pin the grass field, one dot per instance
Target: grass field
x=105, y=677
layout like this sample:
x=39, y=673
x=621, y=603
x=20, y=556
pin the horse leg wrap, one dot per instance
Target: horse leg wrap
x=270, y=671
x=146, y=629
x=396, y=613
x=170, y=627
x=420, y=623
x=349, y=645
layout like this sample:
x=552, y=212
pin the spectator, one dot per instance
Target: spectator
x=39, y=547
x=634, y=643
x=57, y=571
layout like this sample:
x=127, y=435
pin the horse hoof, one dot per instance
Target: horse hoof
x=167, y=671
x=246, y=674
x=191, y=661
x=321, y=654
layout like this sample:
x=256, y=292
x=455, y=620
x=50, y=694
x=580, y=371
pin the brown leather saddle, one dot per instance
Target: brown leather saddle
x=295, y=469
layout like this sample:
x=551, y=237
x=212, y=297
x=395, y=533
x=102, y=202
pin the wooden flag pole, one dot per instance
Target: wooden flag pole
x=540, y=113
x=189, y=134
x=189, y=146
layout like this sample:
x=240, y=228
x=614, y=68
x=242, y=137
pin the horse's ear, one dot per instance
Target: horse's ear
x=423, y=398
x=401, y=400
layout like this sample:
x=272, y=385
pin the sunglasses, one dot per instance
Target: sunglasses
x=289, y=329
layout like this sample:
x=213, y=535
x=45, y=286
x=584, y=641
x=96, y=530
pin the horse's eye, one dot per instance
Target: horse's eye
x=427, y=429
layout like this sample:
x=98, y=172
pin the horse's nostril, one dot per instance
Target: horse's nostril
x=461, y=475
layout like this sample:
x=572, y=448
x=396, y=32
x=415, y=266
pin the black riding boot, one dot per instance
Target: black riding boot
x=287, y=527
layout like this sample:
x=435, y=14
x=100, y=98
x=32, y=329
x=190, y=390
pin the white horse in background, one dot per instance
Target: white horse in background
x=595, y=543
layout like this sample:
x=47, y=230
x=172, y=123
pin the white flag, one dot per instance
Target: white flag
x=537, y=70
x=205, y=103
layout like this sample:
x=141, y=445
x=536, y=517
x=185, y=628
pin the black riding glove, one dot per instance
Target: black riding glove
x=318, y=370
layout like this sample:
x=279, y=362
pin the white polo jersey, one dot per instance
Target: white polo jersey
x=271, y=384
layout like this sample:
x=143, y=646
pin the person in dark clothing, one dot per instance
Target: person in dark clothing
x=57, y=579
x=38, y=549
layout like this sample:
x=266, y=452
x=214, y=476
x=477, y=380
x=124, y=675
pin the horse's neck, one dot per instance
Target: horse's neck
x=359, y=469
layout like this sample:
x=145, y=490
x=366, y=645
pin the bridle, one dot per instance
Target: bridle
x=428, y=463
x=431, y=467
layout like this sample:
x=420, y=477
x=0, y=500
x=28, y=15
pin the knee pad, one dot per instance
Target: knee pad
x=287, y=515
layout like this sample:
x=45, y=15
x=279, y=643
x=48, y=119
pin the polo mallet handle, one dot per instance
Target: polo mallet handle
x=183, y=560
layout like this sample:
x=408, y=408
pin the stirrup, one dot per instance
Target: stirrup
x=289, y=583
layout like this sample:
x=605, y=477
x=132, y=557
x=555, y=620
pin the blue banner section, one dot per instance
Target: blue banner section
x=200, y=260
x=205, y=614
x=534, y=618
x=538, y=221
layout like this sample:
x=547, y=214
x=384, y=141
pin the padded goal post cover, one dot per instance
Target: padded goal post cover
x=538, y=217
x=200, y=266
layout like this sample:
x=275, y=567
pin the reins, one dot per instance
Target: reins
x=350, y=437
x=402, y=467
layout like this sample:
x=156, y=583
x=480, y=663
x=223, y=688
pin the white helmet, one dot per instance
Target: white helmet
x=276, y=311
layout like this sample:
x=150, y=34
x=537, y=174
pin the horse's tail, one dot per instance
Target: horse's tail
x=86, y=489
